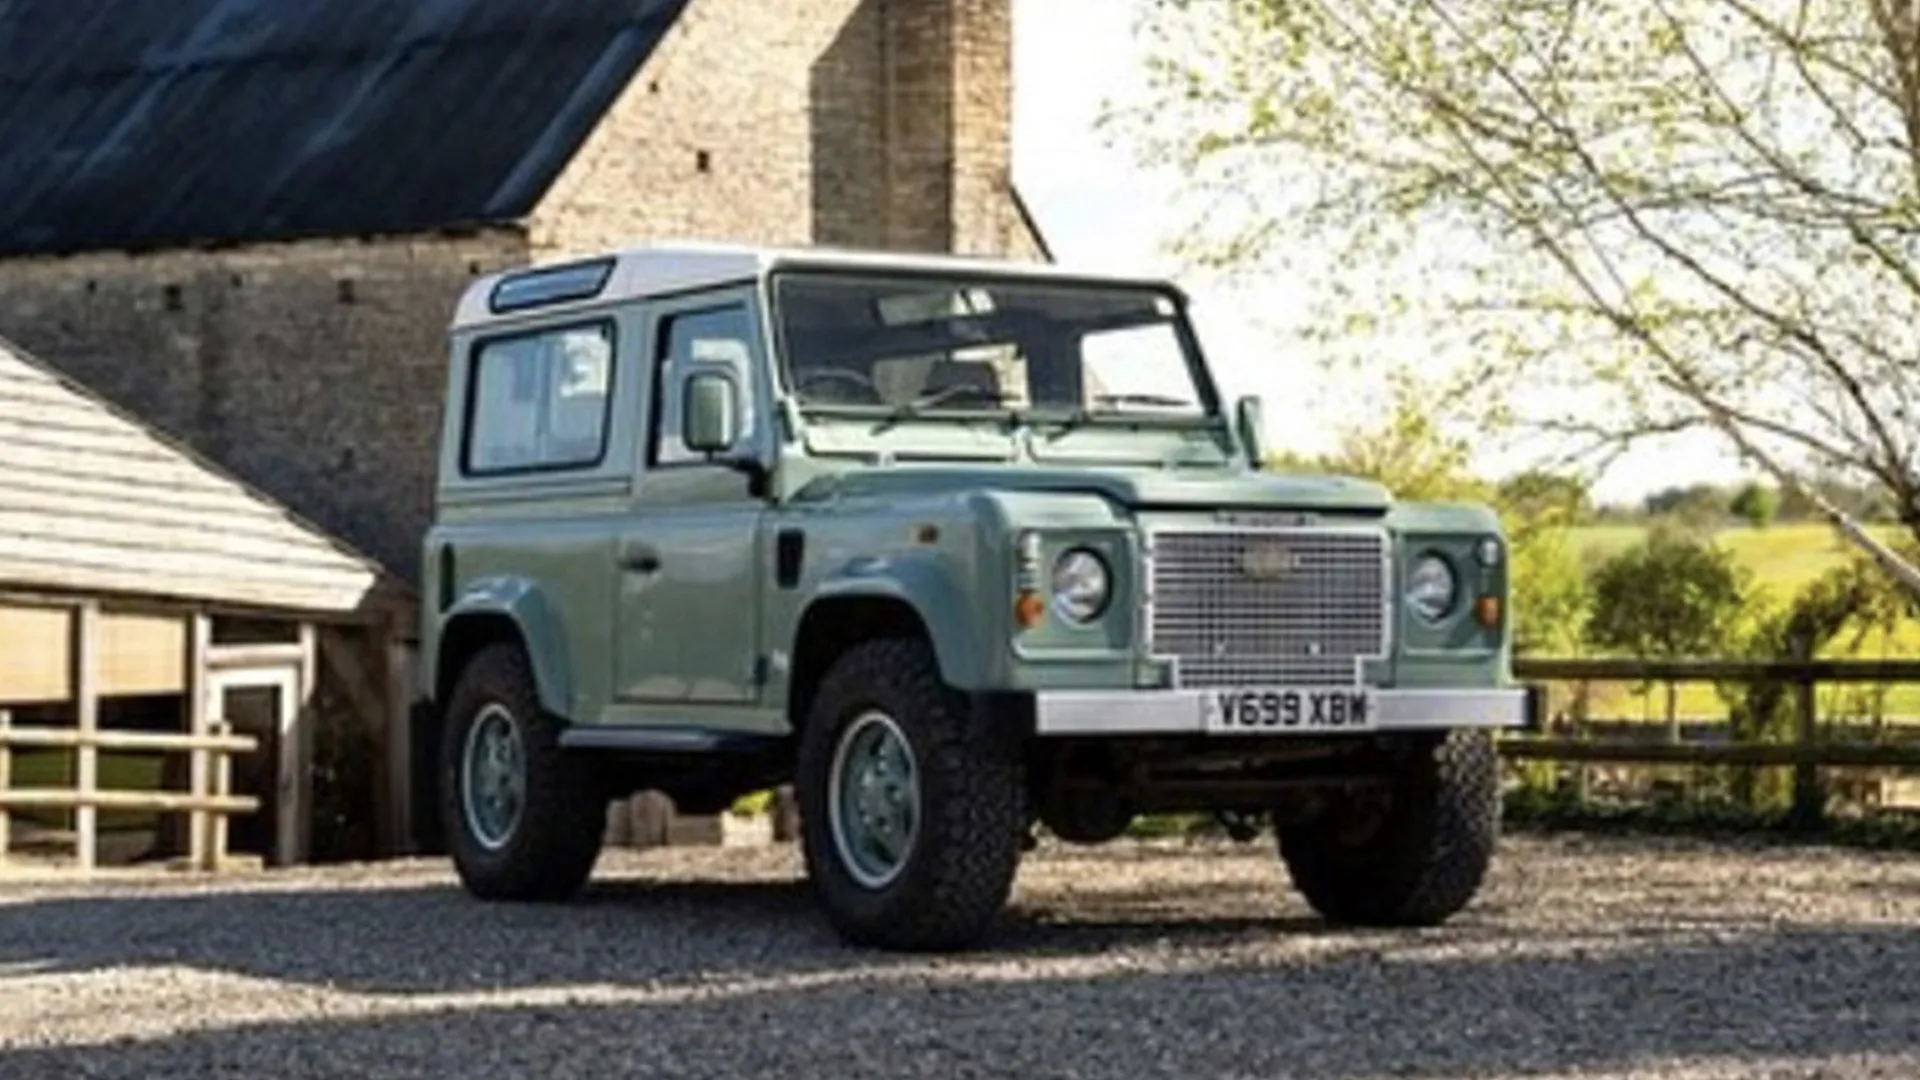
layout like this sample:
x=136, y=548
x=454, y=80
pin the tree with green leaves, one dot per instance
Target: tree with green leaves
x=1543, y=494
x=1707, y=209
x=1669, y=596
x=1756, y=504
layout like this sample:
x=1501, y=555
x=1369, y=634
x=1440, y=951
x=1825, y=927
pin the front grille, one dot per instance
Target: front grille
x=1250, y=607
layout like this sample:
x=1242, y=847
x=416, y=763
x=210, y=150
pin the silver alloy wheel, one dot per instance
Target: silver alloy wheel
x=493, y=777
x=873, y=799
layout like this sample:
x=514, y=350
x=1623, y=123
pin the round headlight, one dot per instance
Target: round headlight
x=1431, y=587
x=1081, y=585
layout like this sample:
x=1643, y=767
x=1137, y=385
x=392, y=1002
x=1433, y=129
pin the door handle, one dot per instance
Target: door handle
x=642, y=558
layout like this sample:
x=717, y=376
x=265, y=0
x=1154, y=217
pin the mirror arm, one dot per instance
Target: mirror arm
x=757, y=474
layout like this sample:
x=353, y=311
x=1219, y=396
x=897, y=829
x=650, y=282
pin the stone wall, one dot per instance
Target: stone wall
x=313, y=371
x=855, y=123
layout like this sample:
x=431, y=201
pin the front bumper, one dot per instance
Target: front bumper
x=1234, y=713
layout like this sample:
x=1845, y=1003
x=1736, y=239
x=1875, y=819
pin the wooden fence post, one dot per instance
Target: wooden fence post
x=1582, y=709
x=1809, y=798
x=86, y=698
x=6, y=784
x=200, y=767
x=222, y=787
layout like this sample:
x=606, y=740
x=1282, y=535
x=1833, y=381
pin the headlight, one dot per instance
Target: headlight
x=1081, y=585
x=1432, y=588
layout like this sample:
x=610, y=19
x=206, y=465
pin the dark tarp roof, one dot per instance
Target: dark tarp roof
x=136, y=123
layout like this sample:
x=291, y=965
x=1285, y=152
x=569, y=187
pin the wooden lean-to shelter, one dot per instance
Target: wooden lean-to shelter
x=188, y=672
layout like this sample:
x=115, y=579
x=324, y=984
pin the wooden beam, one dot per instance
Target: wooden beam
x=1824, y=754
x=295, y=772
x=399, y=748
x=230, y=657
x=154, y=742
x=6, y=782
x=222, y=788
x=1783, y=671
x=161, y=801
x=199, y=716
x=1809, y=799
x=86, y=693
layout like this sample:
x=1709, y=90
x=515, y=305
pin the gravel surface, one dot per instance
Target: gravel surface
x=1584, y=958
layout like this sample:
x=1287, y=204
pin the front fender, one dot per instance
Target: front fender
x=953, y=619
x=524, y=604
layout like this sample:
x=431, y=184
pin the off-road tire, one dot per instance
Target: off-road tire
x=972, y=812
x=1427, y=856
x=557, y=839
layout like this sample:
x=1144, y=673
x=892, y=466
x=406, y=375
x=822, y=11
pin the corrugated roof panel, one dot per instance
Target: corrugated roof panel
x=133, y=125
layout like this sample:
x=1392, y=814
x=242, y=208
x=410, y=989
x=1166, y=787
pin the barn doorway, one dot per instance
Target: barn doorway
x=264, y=703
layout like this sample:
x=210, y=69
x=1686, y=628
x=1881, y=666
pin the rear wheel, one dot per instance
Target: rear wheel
x=1414, y=861
x=524, y=819
x=911, y=806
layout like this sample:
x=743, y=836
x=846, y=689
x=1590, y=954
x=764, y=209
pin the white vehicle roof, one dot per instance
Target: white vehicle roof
x=682, y=266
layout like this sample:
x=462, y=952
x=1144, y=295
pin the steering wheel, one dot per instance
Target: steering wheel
x=837, y=375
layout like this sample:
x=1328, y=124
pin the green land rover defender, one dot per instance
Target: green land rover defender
x=956, y=547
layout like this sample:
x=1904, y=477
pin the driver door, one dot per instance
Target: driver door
x=688, y=579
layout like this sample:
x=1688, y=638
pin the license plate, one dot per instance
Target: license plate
x=1287, y=709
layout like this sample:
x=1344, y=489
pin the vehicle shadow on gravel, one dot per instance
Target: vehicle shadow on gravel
x=434, y=938
x=1829, y=996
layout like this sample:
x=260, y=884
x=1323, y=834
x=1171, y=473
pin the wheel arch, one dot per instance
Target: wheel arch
x=833, y=624
x=505, y=611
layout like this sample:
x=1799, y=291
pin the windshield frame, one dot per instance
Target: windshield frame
x=1213, y=412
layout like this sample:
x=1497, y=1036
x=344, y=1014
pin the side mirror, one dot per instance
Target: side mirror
x=1248, y=425
x=707, y=414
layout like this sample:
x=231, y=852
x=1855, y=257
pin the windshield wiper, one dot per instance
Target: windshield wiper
x=907, y=410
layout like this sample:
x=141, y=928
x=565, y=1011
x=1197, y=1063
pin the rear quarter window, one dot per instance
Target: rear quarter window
x=540, y=401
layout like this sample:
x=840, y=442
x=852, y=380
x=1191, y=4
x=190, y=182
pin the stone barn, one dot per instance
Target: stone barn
x=248, y=220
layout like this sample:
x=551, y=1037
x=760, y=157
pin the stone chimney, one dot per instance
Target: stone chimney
x=949, y=118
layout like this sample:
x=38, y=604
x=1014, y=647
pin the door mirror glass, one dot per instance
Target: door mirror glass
x=1249, y=422
x=707, y=417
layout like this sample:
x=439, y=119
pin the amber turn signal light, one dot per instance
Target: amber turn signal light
x=1029, y=609
x=1488, y=611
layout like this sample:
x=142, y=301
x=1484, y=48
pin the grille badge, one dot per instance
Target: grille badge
x=1269, y=562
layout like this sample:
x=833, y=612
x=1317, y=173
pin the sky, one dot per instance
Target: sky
x=1097, y=207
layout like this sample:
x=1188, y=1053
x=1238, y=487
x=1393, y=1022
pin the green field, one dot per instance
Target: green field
x=1782, y=559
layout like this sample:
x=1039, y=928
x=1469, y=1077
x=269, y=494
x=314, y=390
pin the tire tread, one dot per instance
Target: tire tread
x=968, y=849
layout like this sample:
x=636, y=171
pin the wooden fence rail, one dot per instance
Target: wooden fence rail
x=1810, y=750
x=208, y=809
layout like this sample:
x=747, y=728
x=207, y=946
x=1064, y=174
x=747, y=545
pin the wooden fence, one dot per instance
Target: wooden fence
x=208, y=804
x=1569, y=737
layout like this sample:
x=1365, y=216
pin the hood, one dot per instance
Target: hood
x=1139, y=489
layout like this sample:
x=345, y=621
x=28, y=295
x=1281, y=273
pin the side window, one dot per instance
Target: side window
x=540, y=401
x=718, y=338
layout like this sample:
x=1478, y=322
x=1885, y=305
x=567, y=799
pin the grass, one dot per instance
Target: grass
x=42, y=768
x=1782, y=559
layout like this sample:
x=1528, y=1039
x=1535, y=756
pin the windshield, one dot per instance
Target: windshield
x=911, y=344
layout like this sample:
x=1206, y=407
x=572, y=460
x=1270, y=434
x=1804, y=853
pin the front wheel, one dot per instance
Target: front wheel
x=911, y=806
x=1417, y=860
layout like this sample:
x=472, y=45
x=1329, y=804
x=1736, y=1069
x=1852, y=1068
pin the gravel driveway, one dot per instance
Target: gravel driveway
x=1585, y=958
